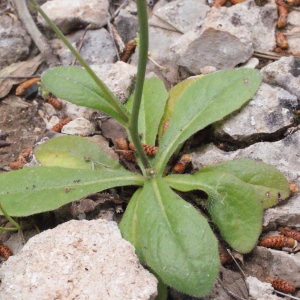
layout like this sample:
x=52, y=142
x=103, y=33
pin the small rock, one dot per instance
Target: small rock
x=74, y=111
x=160, y=41
x=52, y=122
x=175, y=13
x=71, y=14
x=207, y=70
x=265, y=262
x=252, y=63
x=119, y=77
x=257, y=288
x=79, y=126
x=127, y=25
x=284, y=73
x=77, y=260
x=270, y=110
x=14, y=41
x=98, y=47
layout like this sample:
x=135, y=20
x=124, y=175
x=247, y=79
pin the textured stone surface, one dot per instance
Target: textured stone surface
x=14, y=41
x=227, y=37
x=270, y=110
x=257, y=288
x=119, y=77
x=77, y=260
x=264, y=262
x=97, y=48
x=68, y=15
x=79, y=126
x=284, y=73
x=175, y=14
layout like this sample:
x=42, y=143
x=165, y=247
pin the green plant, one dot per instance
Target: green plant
x=170, y=235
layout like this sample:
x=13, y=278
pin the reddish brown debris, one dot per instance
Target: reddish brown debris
x=281, y=41
x=281, y=285
x=165, y=126
x=236, y=1
x=150, y=150
x=26, y=153
x=277, y=242
x=182, y=164
x=293, y=189
x=21, y=89
x=5, y=251
x=55, y=102
x=58, y=127
x=291, y=233
x=218, y=3
x=122, y=144
x=129, y=48
x=283, y=11
x=19, y=164
x=293, y=2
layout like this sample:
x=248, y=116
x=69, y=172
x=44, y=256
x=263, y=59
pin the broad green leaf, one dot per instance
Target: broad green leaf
x=205, y=101
x=233, y=205
x=270, y=184
x=176, y=240
x=77, y=86
x=39, y=189
x=74, y=152
x=129, y=223
x=152, y=108
x=174, y=95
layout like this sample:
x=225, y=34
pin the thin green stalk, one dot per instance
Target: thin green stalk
x=115, y=103
x=8, y=217
x=143, y=57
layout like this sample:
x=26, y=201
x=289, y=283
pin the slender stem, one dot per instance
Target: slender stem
x=8, y=217
x=143, y=56
x=114, y=102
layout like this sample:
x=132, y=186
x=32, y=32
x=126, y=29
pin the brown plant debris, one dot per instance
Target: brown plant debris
x=218, y=3
x=182, y=164
x=129, y=48
x=291, y=233
x=283, y=11
x=58, y=127
x=277, y=242
x=281, y=41
x=281, y=285
x=55, y=102
x=5, y=251
x=165, y=126
x=21, y=89
x=293, y=2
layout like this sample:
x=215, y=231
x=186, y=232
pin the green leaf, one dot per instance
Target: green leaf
x=269, y=184
x=152, y=108
x=174, y=95
x=76, y=85
x=233, y=205
x=129, y=223
x=205, y=101
x=39, y=189
x=74, y=152
x=176, y=241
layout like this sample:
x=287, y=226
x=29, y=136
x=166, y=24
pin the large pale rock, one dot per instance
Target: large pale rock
x=77, y=260
x=284, y=73
x=79, y=126
x=257, y=288
x=14, y=41
x=227, y=37
x=270, y=110
x=182, y=14
x=98, y=47
x=70, y=14
x=119, y=77
x=160, y=41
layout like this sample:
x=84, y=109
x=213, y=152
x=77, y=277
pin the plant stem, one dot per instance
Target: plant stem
x=17, y=226
x=114, y=102
x=143, y=56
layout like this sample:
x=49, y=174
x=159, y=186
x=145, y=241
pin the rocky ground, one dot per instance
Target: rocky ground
x=187, y=38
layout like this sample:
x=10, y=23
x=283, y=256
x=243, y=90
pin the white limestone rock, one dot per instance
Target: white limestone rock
x=77, y=260
x=79, y=126
x=98, y=47
x=70, y=14
x=270, y=110
x=284, y=73
x=257, y=288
